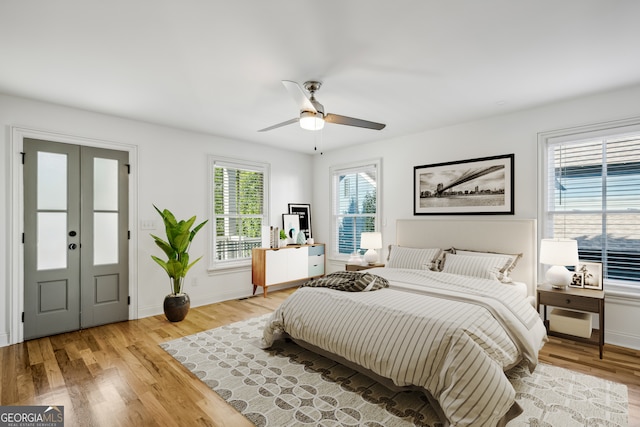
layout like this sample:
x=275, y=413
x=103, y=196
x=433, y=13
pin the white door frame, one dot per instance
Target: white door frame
x=16, y=250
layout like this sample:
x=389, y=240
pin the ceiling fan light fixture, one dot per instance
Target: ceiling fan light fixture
x=311, y=121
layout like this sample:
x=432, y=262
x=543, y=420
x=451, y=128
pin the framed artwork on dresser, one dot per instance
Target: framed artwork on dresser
x=291, y=226
x=304, y=212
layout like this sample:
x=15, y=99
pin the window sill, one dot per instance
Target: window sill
x=622, y=290
x=229, y=267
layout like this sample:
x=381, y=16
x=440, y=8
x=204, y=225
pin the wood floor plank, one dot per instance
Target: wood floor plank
x=52, y=369
x=117, y=375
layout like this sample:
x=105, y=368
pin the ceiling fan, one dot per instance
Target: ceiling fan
x=312, y=116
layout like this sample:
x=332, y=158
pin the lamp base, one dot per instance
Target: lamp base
x=558, y=276
x=371, y=257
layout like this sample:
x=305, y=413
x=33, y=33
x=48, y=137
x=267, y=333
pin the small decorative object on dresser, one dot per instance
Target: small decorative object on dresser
x=355, y=258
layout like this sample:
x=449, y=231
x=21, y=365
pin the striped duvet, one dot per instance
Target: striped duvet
x=451, y=335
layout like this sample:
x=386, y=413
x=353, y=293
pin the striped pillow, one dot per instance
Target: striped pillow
x=414, y=258
x=486, y=267
x=505, y=273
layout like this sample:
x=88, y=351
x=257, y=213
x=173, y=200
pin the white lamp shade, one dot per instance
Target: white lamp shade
x=311, y=121
x=559, y=252
x=371, y=240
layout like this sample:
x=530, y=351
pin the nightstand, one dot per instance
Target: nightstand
x=356, y=267
x=585, y=300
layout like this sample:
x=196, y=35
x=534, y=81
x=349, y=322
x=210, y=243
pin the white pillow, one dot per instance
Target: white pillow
x=415, y=258
x=485, y=267
x=511, y=260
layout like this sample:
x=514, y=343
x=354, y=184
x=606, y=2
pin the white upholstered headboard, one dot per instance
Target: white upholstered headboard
x=495, y=235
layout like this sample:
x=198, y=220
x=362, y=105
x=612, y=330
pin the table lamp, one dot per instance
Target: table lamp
x=371, y=241
x=558, y=253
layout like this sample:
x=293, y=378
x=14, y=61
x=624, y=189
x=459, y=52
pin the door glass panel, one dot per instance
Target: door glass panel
x=52, y=240
x=105, y=184
x=105, y=238
x=52, y=181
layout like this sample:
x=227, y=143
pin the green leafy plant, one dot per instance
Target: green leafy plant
x=283, y=235
x=176, y=247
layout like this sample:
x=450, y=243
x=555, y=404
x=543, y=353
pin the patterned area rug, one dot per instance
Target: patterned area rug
x=288, y=385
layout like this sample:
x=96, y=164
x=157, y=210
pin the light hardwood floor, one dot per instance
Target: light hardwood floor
x=118, y=375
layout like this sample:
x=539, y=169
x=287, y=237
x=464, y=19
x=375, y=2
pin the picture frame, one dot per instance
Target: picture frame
x=303, y=210
x=291, y=226
x=481, y=186
x=592, y=274
x=577, y=280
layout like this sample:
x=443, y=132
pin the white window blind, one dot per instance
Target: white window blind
x=239, y=209
x=593, y=196
x=355, y=205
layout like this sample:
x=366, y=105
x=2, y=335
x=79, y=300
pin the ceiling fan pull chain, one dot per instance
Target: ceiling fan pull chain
x=320, y=136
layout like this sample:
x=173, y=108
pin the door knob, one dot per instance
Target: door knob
x=73, y=246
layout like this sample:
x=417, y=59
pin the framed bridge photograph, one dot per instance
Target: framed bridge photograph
x=482, y=186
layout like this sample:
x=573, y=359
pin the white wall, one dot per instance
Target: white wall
x=166, y=159
x=510, y=133
x=158, y=147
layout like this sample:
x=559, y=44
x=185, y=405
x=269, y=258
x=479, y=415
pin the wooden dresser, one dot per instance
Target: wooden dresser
x=271, y=266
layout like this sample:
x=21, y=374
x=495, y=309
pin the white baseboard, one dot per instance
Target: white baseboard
x=4, y=340
x=228, y=296
x=622, y=340
x=149, y=311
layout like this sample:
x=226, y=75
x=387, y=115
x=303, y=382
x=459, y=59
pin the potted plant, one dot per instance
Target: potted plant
x=283, y=239
x=176, y=247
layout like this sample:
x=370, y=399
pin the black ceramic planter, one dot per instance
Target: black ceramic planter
x=176, y=307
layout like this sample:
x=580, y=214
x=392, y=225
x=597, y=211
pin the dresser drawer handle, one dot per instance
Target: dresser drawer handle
x=568, y=301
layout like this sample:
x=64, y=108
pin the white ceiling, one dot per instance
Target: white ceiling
x=215, y=66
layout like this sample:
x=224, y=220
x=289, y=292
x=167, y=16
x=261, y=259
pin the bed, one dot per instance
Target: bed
x=421, y=324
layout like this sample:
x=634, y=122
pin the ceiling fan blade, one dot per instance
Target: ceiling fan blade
x=288, y=122
x=299, y=96
x=350, y=121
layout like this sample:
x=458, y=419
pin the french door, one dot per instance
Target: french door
x=75, y=237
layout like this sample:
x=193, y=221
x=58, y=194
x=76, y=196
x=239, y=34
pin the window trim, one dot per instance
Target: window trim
x=616, y=128
x=346, y=167
x=214, y=161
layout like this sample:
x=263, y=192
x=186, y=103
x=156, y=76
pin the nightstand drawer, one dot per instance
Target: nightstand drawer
x=569, y=301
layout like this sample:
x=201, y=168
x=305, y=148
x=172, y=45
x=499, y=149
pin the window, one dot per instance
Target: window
x=355, y=207
x=239, y=209
x=592, y=194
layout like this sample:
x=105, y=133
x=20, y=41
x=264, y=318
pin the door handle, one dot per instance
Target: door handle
x=73, y=246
